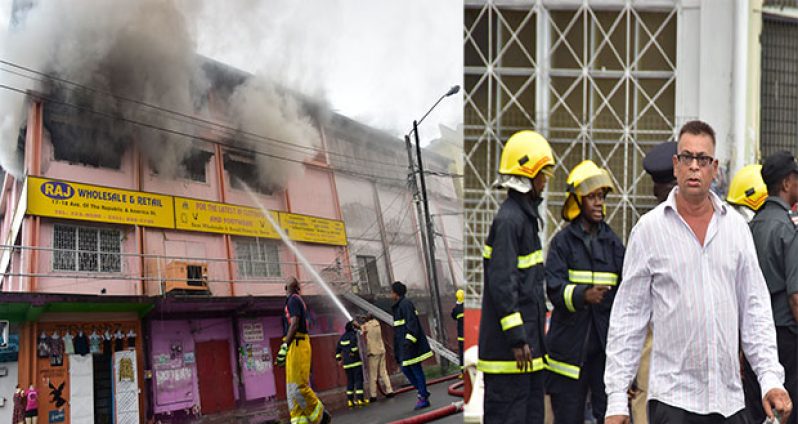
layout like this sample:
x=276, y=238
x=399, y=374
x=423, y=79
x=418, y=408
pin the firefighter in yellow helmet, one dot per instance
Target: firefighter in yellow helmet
x=747, y=191
x=457, y=315
x=511, y=329
x=583, y=270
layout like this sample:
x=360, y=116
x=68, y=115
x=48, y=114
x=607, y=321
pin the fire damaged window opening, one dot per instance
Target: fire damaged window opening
x=193, y=167
x=84, y=138
x=257, y=257
x=87, y=249
x=243, y=169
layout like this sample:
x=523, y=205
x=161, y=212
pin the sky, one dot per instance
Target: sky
x=384, y=63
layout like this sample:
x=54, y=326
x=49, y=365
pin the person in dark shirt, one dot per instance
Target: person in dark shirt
x=776, y=240
x=347, y=353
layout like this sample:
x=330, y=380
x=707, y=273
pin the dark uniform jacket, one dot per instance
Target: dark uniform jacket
x=347, y=350
x=575, y=263
x=410, y=344
x=513, y=303
x=776, y=243
x=457, y=315
x=295, y=307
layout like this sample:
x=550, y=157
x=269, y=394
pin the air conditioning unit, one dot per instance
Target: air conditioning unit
x=186, y=277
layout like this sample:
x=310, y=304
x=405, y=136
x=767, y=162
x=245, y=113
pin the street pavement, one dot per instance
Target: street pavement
x=401, y=406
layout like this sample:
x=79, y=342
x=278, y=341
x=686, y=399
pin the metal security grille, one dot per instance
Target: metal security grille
x=257, y=258
x=779, y=126
x=86, y=249
x=597, y=78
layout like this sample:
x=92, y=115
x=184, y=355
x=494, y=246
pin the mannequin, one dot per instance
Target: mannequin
x=31, y=405
x=69, y=347
x=19, y=406
x=119, y=340
x=94, y=342
x=43, y=346
x=131, y=339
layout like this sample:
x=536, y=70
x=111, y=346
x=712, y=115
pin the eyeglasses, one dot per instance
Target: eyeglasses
x=687, y=159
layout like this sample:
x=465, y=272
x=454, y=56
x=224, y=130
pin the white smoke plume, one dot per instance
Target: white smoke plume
x=143, y=50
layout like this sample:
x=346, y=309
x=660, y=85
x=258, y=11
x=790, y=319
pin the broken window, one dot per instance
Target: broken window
x=88, y=249
x=257, y=257
x=195, y=165
x=244, y=169
x=79, y=136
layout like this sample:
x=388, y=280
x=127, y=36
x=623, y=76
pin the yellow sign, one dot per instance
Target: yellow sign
x=213, y=217
x=62, y=199
x=312, y=229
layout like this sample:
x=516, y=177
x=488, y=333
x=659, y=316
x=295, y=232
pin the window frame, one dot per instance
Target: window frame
x=76, y=253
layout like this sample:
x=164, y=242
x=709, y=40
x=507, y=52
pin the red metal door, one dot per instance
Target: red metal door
x=215, y=376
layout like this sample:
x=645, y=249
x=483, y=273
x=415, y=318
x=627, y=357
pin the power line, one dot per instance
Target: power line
x=194, y=136
x=192, y=119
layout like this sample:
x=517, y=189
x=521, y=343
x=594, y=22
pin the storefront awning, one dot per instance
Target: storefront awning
x=20, y=307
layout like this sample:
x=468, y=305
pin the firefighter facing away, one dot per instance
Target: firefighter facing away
x=457, y=315
x=511, y=328
x=583, y=269
x=295, y=355
x=410, y=343
x=347, y=354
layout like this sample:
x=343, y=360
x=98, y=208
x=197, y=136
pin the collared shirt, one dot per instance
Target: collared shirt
x=776, y=240
x=374, y=344
x=701, y=301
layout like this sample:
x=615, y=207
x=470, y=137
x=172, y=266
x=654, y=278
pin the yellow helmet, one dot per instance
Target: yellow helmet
x=747, y=188
x=525, y=154
x=460, y=295
x=584, y=179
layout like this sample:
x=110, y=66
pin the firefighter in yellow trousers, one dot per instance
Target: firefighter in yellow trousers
x=295, y=354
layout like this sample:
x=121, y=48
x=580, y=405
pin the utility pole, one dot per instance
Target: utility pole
x=430, y=236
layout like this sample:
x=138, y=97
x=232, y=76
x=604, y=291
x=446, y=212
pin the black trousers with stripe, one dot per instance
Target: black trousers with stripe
x=354, y=383
x=514, y=398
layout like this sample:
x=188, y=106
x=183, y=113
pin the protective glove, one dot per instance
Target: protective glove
x=281, y=355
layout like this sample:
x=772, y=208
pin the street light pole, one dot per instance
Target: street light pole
x=428, y=236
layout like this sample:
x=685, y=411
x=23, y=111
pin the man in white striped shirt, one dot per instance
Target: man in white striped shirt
x=691, y=271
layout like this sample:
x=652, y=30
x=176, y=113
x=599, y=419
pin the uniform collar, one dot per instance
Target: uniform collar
x=576, y=228
x=778, y=201
x=529, y=206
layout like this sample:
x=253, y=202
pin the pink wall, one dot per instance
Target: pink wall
x=178, y=387
x=313, y=193
x=189, y=245
x=87, y=282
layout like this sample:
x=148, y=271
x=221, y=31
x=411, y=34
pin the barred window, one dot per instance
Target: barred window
x=257, y=258
x=86, y=249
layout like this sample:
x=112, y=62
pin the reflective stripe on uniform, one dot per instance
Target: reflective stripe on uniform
x=354, y=349
x=314, y=416
x=458, y=316
x=589, y=277
x=562, y=368
x=338, y=355
x=511, y=321
x=508, y=367
x=398, y=322
x=460, y=339
x=417, y=359
x=487, y=252
x=410, y=337
x=530, y=260
x=344, y=342
x=568, y=297
x=353, y=364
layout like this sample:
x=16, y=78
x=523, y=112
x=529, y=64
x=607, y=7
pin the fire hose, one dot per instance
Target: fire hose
x=455, y=389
